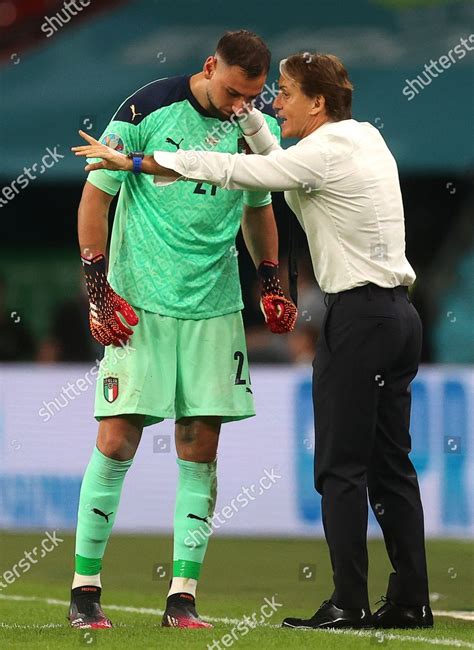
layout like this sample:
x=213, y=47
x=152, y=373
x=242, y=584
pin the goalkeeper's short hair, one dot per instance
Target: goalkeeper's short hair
x=245, y=49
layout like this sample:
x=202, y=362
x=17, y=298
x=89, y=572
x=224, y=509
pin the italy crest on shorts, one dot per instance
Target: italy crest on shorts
x=111, y=388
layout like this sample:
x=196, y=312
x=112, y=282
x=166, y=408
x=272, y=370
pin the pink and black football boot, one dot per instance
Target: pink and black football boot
x=181, y=612
x=85, y=611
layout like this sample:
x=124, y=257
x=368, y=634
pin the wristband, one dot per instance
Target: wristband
x=137, y=158
x=269, y=278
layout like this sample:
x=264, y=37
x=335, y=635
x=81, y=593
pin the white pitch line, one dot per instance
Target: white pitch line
x=33, y=626
x=379, y=634
x=465, y=616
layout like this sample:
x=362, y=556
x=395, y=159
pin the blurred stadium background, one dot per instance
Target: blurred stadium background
x=61, y=72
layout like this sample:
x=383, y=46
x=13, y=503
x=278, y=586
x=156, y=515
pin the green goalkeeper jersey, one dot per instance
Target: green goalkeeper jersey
x=172, y=249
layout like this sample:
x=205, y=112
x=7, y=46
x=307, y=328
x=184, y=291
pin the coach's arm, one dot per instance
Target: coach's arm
x=280, y=170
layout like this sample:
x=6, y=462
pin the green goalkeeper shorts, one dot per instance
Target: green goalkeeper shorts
x=175, y=368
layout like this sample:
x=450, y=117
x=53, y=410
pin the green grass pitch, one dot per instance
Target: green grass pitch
x=238, y=575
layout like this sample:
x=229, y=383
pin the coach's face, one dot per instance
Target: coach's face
x=229, y=88
x=298, y=113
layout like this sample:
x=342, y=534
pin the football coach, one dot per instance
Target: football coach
x=341, y=181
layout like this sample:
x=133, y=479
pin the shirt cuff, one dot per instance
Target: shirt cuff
x=263, y=141
x=169, y=160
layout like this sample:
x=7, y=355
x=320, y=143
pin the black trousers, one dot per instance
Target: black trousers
x=367, y=355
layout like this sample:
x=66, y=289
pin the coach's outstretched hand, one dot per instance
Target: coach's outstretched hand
x=105, y=306
x=280, y=313
x=110, y=158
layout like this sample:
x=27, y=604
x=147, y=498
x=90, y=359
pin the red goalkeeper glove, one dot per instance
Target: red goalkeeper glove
x=280, y=313
x=105, y=306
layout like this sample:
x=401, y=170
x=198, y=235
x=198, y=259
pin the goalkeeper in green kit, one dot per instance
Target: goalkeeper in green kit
x=171, y=288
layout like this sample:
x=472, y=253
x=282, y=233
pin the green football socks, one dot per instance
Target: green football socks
x=195, y=502
x=99, y=501
x=98, y=504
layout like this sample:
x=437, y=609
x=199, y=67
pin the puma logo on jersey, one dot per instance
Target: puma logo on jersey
x=134, y=112
x=176, y=144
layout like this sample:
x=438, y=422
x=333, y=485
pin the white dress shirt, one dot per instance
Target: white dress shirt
x=342, y=183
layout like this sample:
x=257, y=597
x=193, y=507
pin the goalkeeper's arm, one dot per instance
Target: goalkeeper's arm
x=104, y=304
x=93, y=221
x=261, y=238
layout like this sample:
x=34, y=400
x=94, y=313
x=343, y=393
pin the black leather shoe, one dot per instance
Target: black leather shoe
x=330, y=616
x=391, y=615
